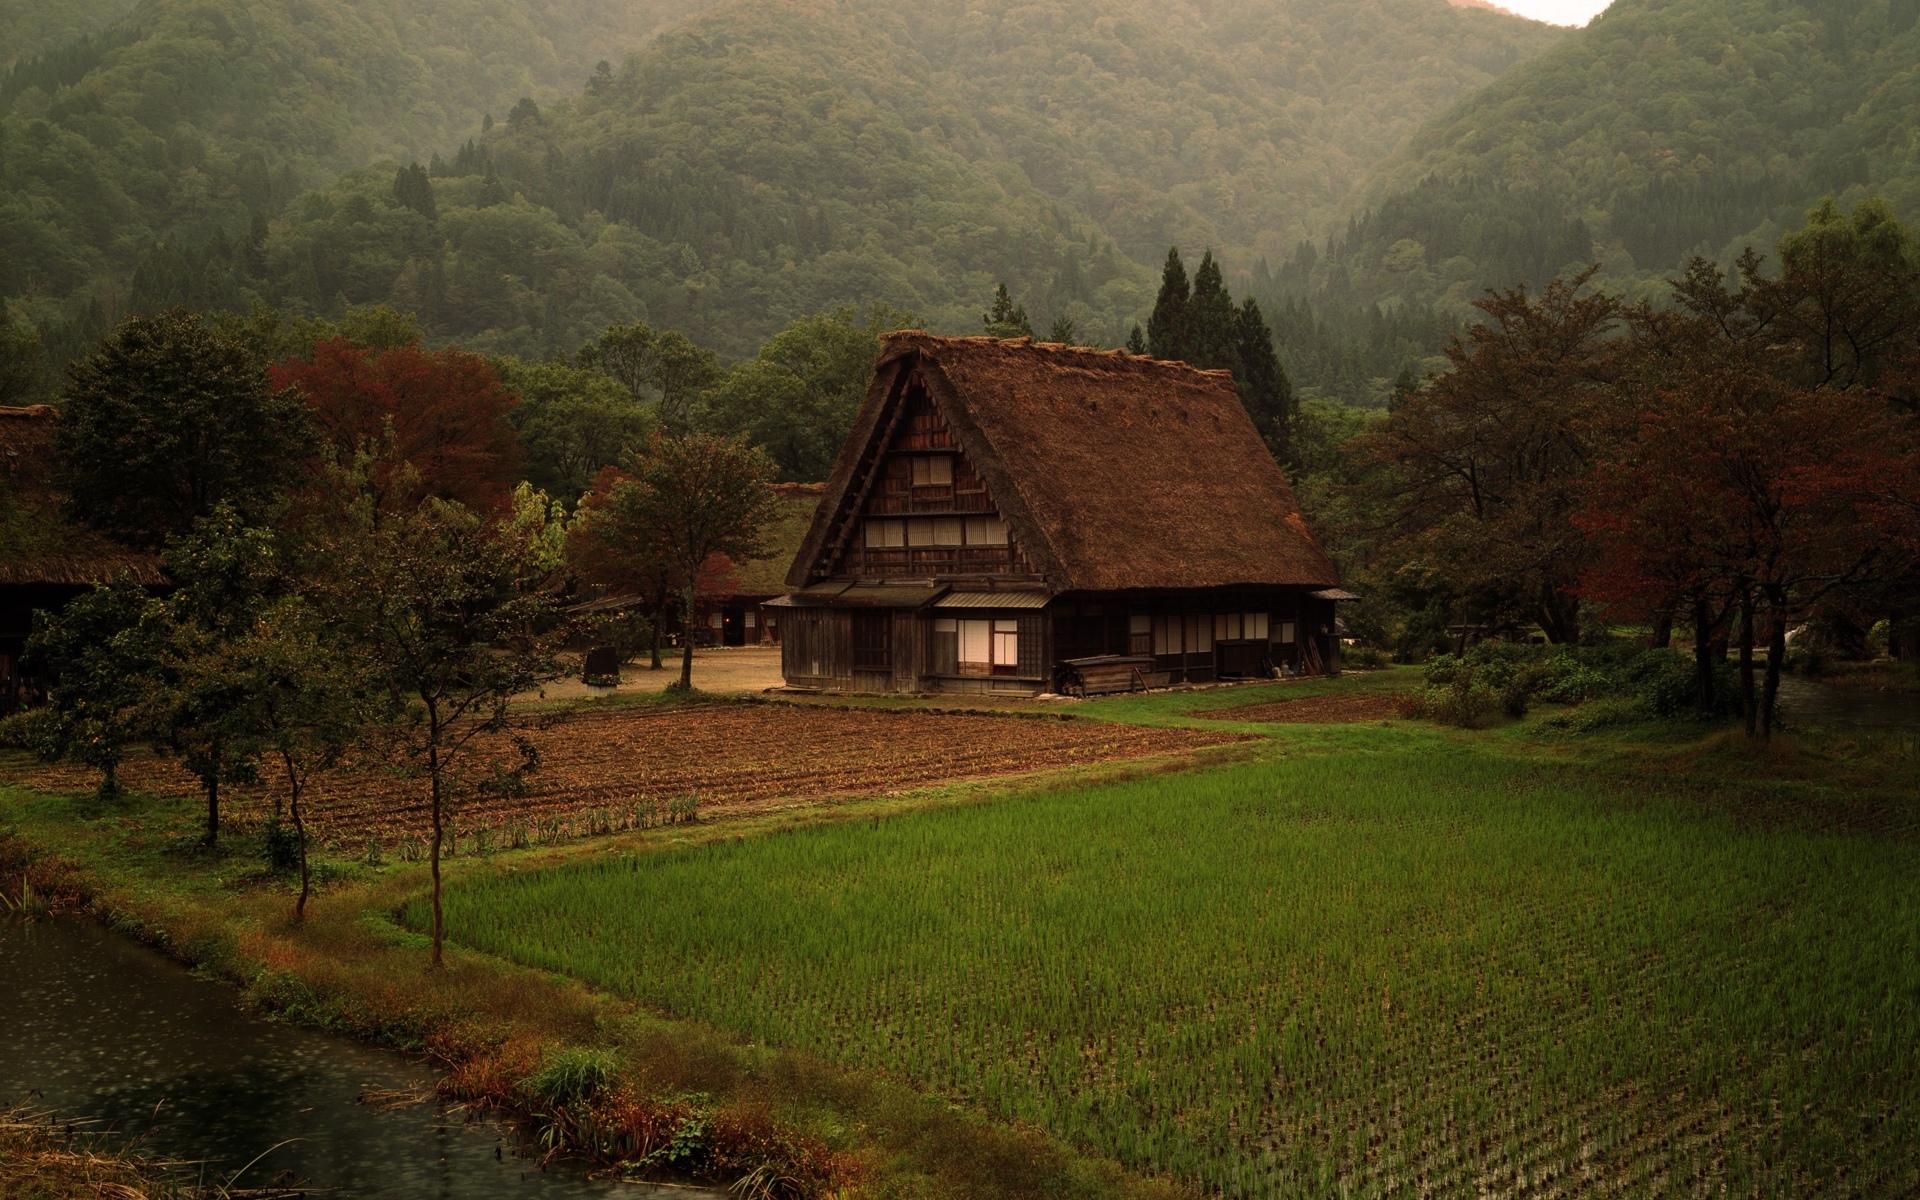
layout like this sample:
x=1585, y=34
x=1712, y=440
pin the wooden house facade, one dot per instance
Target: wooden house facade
x=1017, y=517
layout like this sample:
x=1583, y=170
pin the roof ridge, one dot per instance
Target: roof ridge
x=1115, y=355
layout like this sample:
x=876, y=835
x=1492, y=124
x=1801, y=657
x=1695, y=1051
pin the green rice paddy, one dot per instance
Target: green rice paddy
x=1409, y=967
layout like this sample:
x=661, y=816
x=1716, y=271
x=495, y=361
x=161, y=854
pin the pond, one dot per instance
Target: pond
x=1809, y=702
x=95, y=1026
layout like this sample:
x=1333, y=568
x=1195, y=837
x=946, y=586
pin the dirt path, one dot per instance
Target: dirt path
x=719, y=671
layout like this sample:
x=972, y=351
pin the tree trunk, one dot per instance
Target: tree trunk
x=658, y=622
x=686, y=639
x=212, y=783
x=1559, y=616
x=1704, y=670
x=433, y=858
x=300, y=839
x=1776, y=657
x=1748, y=708
x=1662, y=628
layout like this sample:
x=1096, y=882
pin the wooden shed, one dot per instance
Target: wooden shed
x=1016, y=517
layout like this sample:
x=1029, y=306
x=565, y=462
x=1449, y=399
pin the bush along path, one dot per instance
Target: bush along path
x=581, y=1072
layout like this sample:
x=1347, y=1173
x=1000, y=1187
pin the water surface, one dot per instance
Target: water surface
x=94, y=1026
x=1809, y=702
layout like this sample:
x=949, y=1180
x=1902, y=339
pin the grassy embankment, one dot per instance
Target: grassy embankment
x=1377, y=956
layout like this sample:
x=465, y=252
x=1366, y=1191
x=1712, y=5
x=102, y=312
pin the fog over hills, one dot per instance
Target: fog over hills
x=770, y=158
x=1366, y=167
x=1664, y=129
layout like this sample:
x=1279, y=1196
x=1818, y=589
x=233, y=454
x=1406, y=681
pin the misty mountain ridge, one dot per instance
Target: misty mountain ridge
x=1365, y=167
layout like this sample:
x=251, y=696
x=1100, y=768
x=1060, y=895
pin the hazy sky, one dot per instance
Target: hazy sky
x=1560, y=12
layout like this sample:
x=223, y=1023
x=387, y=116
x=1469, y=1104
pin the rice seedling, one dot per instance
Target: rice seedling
x=1354, y=973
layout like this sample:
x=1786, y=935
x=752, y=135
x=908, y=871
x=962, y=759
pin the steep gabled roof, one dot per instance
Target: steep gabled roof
x=797, y=502
x=1115, y=471
x=37, y=546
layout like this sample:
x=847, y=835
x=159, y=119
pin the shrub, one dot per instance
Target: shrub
x=1458, y=694
x=1657, y=682
x=280, y=843
x=1363, y=658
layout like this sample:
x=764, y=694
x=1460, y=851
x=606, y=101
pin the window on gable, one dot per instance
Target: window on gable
x=986, y=531
x=933, y=472
x=886, y=535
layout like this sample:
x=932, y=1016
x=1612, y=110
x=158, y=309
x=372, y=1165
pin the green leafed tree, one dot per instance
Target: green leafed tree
x=698, y=499
x=456, y=612
x=798, y=396
x=201, y=706
x=573, y=423
x=105, y=651
x=168, y=420
x=312, y=694
x=661, y=366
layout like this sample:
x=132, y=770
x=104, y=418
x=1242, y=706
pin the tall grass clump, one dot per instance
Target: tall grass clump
x=1351, y=973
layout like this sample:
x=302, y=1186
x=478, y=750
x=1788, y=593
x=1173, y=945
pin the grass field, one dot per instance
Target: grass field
x=1381, y=961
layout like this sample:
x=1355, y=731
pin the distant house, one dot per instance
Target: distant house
x=44, y=560
x=1017, y=517
x=744, y=619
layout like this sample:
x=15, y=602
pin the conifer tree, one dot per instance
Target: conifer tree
x=22, y=361
x=1007, y=320
x=1167, y=326
x=412, y=188
x=492, y=191
x=1264, y=387
x=1212, y=326
x=1137, y=340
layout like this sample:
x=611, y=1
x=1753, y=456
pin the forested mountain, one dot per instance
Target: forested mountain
x=29, y=28
x=762, y=161
x=196, y=119
x=1665, y=128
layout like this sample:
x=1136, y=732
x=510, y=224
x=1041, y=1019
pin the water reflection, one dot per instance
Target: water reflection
x=92, y=1025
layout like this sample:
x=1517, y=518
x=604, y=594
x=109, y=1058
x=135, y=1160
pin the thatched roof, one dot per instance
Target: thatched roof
x=1115, y=471
x=767, y=576
x=37, y=546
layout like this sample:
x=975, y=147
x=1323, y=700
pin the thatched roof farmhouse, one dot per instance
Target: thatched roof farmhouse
x=1012, y=516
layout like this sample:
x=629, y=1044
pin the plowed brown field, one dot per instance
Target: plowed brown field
x=728, y=756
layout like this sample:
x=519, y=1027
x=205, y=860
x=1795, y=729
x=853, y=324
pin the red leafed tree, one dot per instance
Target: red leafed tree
x=1738, y=490
x=444, y=410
